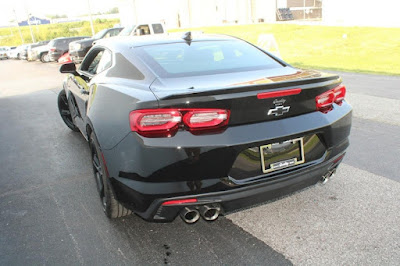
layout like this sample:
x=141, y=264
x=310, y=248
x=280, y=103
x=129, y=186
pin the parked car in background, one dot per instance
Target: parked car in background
x=78, y=49
x=40, y=53
x=10, y=51
x=14, y=54
x=31, y=47
x=143, y=29
x=65, y=58
x=23, y=52
x=59, y=46
x=3, y=52
x=201, y=126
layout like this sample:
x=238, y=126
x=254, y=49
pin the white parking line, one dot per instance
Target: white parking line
x=352, y=220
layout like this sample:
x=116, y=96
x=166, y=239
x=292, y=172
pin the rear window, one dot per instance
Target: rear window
x=157, y=28
x=205, y=57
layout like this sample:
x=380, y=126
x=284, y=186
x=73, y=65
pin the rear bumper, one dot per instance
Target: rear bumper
x=241, y=197
x=146, y=172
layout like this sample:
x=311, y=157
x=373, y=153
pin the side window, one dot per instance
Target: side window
x=97, y=61
x=157, y=28
x=114, y=32
x=142, y=30
x=91, y=61
x=105, y=61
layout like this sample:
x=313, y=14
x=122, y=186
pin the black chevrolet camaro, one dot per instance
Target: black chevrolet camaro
x=199, y=126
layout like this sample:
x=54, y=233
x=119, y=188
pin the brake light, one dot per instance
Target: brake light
x=52, y=49
x=207, y=118
x=155, y=123
x=324, y=102
x=275, y=94
x=340, y=92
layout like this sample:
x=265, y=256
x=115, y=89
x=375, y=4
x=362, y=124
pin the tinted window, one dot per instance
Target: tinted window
x=142, y=30
x=105, y=61
x=97, y=61
x=99, y=34
x=157, y=28
x=114, y=32
x=127, y=30
x=206, y=57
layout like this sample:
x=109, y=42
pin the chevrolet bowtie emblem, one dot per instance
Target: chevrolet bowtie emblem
x=278, y=110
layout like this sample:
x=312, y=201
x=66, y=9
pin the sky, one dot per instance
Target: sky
x=40, y=8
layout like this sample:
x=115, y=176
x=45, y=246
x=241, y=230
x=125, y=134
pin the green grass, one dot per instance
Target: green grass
x=366, y=49
x=11, y=37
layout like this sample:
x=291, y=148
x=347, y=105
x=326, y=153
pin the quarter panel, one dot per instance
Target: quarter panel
x=109, y=107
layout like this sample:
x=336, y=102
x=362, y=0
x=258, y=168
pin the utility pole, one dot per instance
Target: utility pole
x=30, y=28
x=20, y=34
x=90, y=15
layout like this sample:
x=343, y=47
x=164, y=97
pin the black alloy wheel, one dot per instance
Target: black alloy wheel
x=111, y=207
x=65, y=113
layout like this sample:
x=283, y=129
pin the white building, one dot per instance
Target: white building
x=196, y=13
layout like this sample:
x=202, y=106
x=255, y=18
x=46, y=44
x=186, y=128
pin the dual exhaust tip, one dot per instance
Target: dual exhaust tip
x=191, y=215
x=325, y=178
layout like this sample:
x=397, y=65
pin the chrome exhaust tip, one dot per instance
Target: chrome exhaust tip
x=210, y=213
x=190, y=215
x=325, y=178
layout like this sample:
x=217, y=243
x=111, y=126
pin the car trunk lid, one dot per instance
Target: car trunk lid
x=252, y=96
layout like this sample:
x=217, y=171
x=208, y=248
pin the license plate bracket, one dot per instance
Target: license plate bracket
x=281, y=155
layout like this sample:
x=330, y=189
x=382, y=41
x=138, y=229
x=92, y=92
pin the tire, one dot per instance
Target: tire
x=44, y=58
x=111, y=207
x=64, y=111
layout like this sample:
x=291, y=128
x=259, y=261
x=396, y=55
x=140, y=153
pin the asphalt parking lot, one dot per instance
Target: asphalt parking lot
x=50, y=212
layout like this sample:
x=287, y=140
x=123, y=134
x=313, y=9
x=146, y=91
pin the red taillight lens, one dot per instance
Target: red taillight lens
x=166, y=122
x=324, y=102
x=340, y=93
x=52, y=49
x=280, y=93
x=206, y=118
x=155, y=122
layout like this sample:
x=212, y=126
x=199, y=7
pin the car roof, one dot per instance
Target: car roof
x=123, y=42
x=73, y=37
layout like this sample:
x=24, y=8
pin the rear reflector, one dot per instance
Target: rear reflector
x=274, y=94
x=177, y=202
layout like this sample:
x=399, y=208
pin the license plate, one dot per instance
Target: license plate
x=277, y=156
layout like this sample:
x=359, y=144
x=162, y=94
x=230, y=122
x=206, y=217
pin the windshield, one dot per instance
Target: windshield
x=127, y=30
x=100, y=34
x=205, y=57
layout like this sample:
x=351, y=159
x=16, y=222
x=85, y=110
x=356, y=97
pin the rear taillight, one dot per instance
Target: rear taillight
x=52, y=49
x=199, y=119
x=155, y=122
x=166, y=122
x=324, y=102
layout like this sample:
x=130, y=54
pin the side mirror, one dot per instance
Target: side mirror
x=68, y=68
